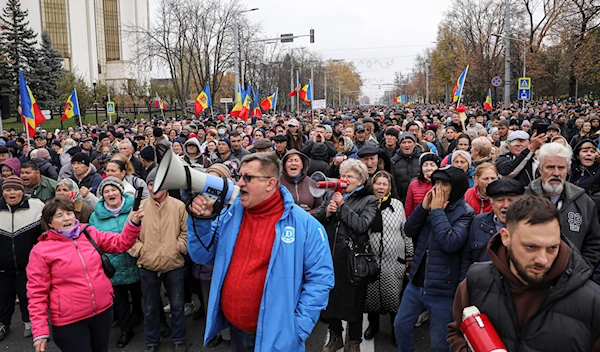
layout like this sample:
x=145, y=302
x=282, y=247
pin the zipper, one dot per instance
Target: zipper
x=87, y=276
x=12, y=237
x=297, y=195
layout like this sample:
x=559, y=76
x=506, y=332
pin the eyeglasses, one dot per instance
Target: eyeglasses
x=248, y=178
x=349, y=177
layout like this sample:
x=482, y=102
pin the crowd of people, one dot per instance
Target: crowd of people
x=495, y=209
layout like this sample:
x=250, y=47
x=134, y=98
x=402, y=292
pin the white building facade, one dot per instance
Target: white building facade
x=93, y=36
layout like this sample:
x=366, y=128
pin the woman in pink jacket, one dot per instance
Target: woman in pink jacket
x=66, y=279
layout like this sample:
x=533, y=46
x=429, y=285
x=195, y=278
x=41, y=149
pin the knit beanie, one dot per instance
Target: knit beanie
x=226, y=140
x=147, y=153
x=111, y=181
x=81, y=158
x=157, y=132
x=219, y=170
x=429, y=156
x=465, y=155
x=393, y=132
x=13, y=182
x=151, y=176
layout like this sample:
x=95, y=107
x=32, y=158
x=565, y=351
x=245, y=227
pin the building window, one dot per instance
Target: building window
x=55, y=22
x=111, y=30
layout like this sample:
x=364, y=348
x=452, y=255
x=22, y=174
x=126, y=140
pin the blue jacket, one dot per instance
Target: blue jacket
x=482, y=230
x=442, y=233
x=298, y=281
x=103, y=220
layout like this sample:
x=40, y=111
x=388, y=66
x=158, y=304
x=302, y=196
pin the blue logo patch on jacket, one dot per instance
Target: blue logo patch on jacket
x=288, y=235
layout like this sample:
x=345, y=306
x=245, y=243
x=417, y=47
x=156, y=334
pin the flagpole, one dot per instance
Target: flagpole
x=79, y=110
x=212, y=115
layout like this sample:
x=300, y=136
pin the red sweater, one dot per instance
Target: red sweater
x=415, y=195
x=243, y=288
x=480, y=205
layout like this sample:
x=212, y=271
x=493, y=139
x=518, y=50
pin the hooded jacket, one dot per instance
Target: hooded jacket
x=14, y=164
x=46, y=168
x=479, y=204
x=67, y=278
x=103, y=220
x=578, y=219
x=91, y=180
x=319, y=158
x=201, y=161
x=562, y=313
x=298, y=280
x=299, y=188
x=440, y=235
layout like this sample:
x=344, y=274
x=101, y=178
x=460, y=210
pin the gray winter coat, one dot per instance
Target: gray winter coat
x=578, y=219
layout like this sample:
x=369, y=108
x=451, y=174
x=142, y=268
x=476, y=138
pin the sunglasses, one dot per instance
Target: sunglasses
x=248, y=178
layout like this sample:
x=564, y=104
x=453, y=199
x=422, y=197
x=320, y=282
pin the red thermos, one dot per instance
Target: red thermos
x=479, y=332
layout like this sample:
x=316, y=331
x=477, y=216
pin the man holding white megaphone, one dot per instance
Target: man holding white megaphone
x=264, y=248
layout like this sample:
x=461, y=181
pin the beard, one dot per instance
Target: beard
x=554, y=188
x=522, y=269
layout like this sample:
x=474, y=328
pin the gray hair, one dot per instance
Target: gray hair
x=268, y=161
x=355, y=166
x=70, y=141
x=483, y=146
x=126, y=142
x=554, y=149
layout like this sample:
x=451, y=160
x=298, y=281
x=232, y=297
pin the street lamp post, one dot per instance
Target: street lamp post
x=507, y=57
x=236, y=52
x=508, y=39
x=95, y=102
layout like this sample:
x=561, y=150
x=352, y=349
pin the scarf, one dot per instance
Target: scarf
x=115, y=211
x=298, y=178
x=384, y=203
x=347, y=195
x=71, y=233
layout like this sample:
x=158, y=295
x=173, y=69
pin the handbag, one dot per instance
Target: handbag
x=109, y=269
x=362, y=266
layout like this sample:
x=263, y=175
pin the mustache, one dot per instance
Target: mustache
x=555, y=178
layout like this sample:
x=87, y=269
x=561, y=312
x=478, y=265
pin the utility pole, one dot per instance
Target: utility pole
x=507, y=56
x=340, y=94
x=325, y=86
x=427, y=82
x=236, y=59
x=292, y=77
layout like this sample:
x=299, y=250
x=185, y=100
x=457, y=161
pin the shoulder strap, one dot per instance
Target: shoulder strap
x=87, y=235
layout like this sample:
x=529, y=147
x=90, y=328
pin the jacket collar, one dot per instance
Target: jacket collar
x=570, y=192
x=24, y=204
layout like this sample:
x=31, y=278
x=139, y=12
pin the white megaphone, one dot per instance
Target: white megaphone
x=172, y=173
x=319, y=184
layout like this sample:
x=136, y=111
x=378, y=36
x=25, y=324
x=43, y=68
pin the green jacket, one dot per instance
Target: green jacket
x=103, y=220
x=45, y=190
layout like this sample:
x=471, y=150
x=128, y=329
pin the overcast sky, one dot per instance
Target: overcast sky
x=380, y=36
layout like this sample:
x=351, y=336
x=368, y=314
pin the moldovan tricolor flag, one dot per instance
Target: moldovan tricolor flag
x=203, y=100
x=297, y=87
x=458, y=87
x=255, y=107
x=30, y=111
x=270, y=102
x=487, y=106
x=246, y=106
x=159, y=103
x=71, y=107
x=306, y=93
x=237, y=108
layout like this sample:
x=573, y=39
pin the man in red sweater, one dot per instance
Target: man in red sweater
x=272, y=265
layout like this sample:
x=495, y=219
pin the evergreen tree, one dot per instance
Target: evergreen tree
x=18, y=47
x=49, y=71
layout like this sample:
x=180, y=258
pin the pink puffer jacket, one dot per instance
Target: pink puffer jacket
x=68, y=276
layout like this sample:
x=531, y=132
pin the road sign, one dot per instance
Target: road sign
x=524, y=94
x=524, y=83
x=226, y=100
x=319, y=104
x=285, y=38
x=110, y=108
x=496, y=81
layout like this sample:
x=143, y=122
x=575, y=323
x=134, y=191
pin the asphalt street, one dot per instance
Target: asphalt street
x=14, y=342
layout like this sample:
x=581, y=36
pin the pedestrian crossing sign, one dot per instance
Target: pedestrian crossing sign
x=524, y=83
x=110, y=108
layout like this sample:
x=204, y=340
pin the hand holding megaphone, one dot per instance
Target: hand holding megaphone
x=201, y=206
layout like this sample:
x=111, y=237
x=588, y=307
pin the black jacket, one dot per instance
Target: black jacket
x=518, y=167
x=405, y=168
x=91, y=180
x=352, y=220
x=567, y=320
x=46, y=168
x=319, y=158
x=20, y=228
x=578, y=219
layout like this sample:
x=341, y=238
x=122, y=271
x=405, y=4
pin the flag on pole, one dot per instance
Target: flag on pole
x=297, y=87
x=30, y=110
x=255, y=107
x=247, y=102
x=237, y=108
x=397, y=99
x=270, y=102
x=203, y=100
x=159, y=103
x=306, y=93
x=487, y=106
x=458, y=87
x=71, y=107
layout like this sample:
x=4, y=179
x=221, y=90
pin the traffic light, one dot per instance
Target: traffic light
x=312, y=35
